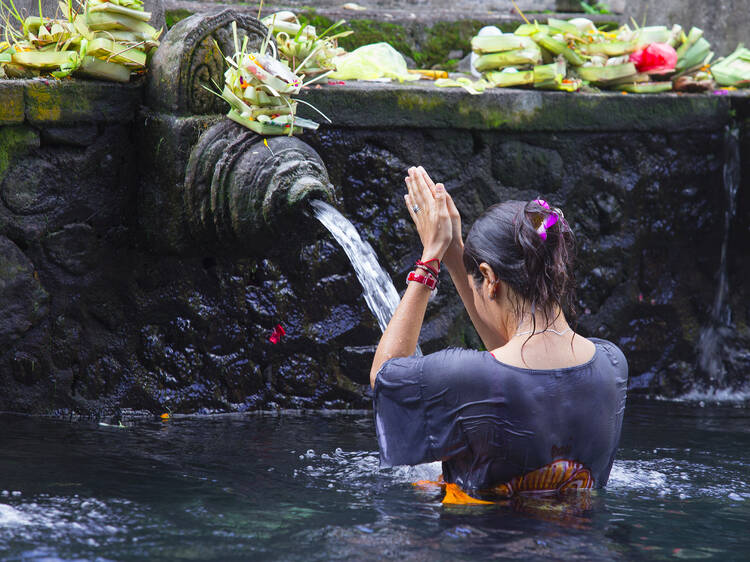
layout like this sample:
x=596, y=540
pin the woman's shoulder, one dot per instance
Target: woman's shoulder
x=614, y=353
x=455, y=354
x=442, y=369
x=452, y=360
x=456, y=359
x=613, y=356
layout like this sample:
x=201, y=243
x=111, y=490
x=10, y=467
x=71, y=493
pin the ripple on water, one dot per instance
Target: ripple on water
x=356, y=468
x=216, y=489
x=668, y=477
x=10, y=516
x=63, y=521
x=351, y=470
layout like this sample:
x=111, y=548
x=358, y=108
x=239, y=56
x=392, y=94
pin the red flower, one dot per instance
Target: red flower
x=275, y=336
x=656, y=58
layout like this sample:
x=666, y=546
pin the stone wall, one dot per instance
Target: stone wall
x=67, y=178
x=647, y=206
x=109, y=304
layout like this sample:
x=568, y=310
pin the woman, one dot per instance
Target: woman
x=542, y=410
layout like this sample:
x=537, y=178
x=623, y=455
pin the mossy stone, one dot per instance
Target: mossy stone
x=15, y=141
x=12, y=108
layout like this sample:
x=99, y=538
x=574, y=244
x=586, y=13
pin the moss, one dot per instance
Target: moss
x=444, y=37
x=365, y=32
x=414, y=101
x=495, y=117
x=44, y=106
x=428, y=46
x=15, y=141
x=173, y=16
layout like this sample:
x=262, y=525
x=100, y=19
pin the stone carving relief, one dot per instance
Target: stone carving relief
x=235, y=184
x=191, y=58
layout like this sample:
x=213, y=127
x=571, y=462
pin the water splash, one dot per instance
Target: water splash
x=669, y=477
x=710, y=344
x=380, y=294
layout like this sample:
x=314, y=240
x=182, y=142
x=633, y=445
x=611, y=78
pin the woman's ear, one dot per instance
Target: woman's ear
x=489, y=279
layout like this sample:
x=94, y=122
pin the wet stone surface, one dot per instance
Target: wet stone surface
x=98, y=317
x=647, y=210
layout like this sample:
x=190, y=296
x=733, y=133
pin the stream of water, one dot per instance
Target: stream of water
x=710, y=351
x=307, y=487
x=380, y=294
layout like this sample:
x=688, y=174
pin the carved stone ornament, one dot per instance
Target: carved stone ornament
x=236, y=185
x=188, y=59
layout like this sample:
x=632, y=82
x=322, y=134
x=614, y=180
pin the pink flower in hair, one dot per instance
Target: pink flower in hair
x=548, y=221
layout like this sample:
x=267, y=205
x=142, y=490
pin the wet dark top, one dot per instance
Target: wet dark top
x=490, y=422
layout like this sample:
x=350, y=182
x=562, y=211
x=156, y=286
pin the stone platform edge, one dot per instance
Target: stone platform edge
x=385, y=105
x=378, y=105
x=68, y=102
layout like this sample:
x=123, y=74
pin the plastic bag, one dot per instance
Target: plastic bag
x=370, y=62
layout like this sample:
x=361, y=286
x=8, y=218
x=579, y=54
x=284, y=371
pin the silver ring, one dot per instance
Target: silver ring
x=416, y=209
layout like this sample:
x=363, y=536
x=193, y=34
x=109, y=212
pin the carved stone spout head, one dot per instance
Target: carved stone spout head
x=237, y=185
x=294, y=175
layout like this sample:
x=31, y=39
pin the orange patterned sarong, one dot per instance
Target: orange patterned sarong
x=556, y=477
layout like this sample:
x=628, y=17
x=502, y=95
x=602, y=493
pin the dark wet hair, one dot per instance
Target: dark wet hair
x=538, y=271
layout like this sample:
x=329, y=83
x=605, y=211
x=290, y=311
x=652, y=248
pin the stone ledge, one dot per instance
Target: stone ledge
x=76, y=101
x=12, y=108
x=369, y=104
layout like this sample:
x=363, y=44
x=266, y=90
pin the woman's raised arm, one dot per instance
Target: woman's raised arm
x=454, y=261
x=429, y=212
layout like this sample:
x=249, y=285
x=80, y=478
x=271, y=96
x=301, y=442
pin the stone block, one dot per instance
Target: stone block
x=23, y=300
x=84, y=135
x=12, y=108
x=61, y=102
x=14, y=142
x=187, y=60
x=74, y=248
x=356, y=361
x=524, y=165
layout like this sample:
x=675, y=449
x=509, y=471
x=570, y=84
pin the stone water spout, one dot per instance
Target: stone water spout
x=237, y=185
x=213, y=184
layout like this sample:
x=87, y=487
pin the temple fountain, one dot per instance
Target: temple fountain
x=150, y=248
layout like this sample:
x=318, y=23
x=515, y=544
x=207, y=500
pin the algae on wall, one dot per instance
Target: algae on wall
x=427, y=45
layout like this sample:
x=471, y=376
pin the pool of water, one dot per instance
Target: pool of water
x=308, y=487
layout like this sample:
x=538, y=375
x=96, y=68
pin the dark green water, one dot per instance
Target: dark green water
x=307, y=487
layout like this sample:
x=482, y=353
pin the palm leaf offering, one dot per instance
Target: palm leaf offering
x=301, y=46
x=733, y=70
x=638, y=60
x=259, y=89
x=104, y=39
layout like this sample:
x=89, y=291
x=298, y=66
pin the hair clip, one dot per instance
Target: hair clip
x=548, y=221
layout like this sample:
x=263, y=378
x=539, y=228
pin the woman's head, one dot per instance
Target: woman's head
x=530, y=248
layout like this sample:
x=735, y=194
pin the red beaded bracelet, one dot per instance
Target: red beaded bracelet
x=427, y=280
